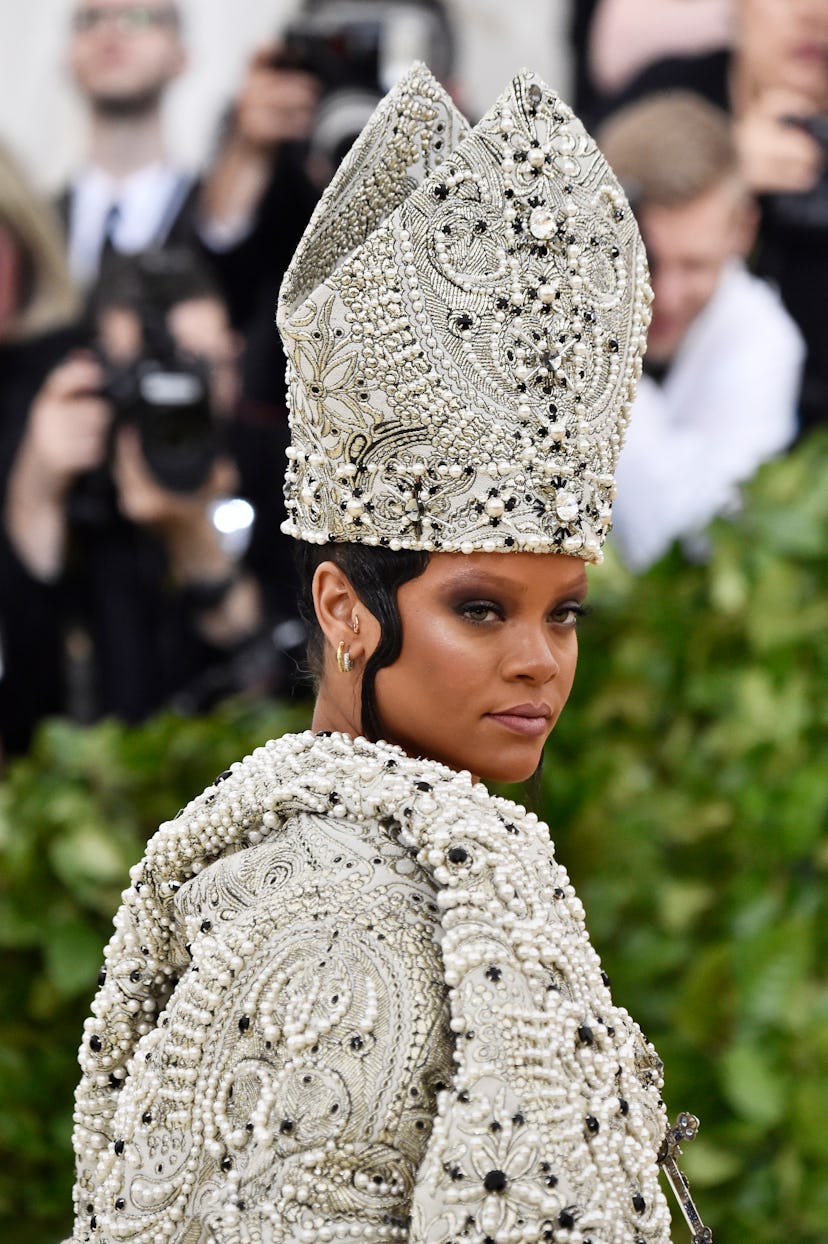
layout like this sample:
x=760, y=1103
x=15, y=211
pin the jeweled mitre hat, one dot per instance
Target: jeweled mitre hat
x=464, y=321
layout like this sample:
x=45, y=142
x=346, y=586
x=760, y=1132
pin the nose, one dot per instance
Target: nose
x=531, y=657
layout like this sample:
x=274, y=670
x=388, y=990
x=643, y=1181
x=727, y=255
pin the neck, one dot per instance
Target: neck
x=331, y=715
x=123, y=145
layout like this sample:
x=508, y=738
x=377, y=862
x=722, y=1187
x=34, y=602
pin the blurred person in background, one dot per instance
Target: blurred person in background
x=304, y=98
x=128, y=196
x=624, y=36
x=39, y=306
x=38, y=312
x=774, y=82
x=724, y=357
x=130, y=468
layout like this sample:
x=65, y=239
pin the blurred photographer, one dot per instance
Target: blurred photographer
x=318, y=84
x=724, y=357
x=122, y=500
x=774, y=84
x=303, y=99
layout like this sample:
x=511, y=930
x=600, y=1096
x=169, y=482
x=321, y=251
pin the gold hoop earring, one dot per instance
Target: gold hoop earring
x=343, y=658
x=355, y=623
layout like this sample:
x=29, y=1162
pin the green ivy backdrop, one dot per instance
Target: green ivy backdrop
x=687, y=788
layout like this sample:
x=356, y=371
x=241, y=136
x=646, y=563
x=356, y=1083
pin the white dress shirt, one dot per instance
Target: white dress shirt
x=138, y=211
x=728, y=403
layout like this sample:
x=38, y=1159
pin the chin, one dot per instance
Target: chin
x=508, y=768
x=509, y=764
x=510, y=777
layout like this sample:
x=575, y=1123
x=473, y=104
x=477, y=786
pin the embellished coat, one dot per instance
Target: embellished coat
x=350, y=997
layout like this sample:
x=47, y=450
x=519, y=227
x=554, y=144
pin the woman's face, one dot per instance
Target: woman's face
x=487, y=661
x=784, y=44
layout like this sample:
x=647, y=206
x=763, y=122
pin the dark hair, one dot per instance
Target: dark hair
x=376, y=574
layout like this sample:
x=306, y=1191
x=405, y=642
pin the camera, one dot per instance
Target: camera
x=809, y=209
x=162, y=390
x=165, y=395
x=358, y=49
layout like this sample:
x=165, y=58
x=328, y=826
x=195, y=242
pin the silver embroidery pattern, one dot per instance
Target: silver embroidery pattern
x=302, y=955
x=461, y=374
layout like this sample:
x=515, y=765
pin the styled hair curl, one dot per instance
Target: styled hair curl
x=376, y=574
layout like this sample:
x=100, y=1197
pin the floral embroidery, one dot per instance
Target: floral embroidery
x=497, y=305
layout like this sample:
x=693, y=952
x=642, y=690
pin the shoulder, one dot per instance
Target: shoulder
x=461, y=835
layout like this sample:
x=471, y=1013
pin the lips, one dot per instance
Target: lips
x=811, y=51
x=530, y=720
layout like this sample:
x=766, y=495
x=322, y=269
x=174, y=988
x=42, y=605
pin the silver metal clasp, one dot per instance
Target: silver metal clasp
x=685, y=1127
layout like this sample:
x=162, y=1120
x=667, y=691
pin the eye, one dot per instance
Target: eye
x=480, y=611
x=569, y=614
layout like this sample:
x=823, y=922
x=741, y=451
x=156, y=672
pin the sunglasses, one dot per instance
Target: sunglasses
x=133, y=17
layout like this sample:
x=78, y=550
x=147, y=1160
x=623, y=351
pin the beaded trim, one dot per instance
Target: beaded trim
x=464, y=340
x=552, y=1125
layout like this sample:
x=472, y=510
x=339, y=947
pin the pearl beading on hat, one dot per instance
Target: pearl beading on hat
x=551, y=1127
x=461, y=378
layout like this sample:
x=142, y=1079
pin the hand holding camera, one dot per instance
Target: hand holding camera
x=779, y=153
x=67, y=434
x=68, y=427
x=275, y=105
x=180, y=518
x=226, y=600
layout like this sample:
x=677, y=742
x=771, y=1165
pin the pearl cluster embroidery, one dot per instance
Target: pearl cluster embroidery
x=550, y=1127
x=461, y=375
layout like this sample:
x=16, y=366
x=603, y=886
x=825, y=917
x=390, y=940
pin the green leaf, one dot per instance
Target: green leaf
x=73, y=957
x=753, y=1085
x=706, y=1164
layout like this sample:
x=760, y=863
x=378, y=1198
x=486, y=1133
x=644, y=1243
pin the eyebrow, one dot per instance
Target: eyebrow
x=474, y=575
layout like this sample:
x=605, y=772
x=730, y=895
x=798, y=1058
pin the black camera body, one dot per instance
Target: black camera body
x=807, y=210
x=165, y=395
x=357, y=50
x=343, y=57
x=366, y=44
x=163, y=392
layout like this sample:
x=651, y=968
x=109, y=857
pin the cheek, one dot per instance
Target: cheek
x=77, y=61
x=436, y=655
x=567, y=665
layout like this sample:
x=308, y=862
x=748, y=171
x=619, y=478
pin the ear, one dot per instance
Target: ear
x=342, y=615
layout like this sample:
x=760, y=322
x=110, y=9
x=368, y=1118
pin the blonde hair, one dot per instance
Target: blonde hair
x=670, y=148
x=48, y=298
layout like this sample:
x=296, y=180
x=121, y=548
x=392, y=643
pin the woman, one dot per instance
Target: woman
x=350, y=995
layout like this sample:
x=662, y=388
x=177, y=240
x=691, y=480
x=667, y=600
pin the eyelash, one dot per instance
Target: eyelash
x=573, y=608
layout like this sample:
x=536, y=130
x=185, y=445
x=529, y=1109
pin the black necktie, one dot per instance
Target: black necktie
x=111, y=222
